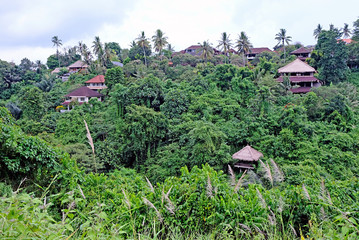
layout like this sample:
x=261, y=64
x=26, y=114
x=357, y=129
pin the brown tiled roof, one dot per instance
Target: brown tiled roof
x=84, y=91
x=78, y=64
x=297, y=66
x=301, y=90
x=247, y=154
x=297, y=79
x=259, y=50
x=97, y=79
x=194, y=47
x=302, y=50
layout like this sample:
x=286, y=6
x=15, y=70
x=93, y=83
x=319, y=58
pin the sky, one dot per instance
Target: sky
x=27, y=27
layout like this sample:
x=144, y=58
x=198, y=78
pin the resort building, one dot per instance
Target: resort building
x=301, y=76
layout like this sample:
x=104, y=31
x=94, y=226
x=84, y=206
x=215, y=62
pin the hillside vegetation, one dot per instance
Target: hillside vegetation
x=154, y=159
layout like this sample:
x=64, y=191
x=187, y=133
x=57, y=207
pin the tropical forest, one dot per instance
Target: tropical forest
x=221, y=140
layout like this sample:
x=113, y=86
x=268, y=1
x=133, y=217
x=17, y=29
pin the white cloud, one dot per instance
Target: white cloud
x=26, y=27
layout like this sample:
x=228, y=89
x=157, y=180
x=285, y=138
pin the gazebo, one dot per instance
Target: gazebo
x=247, y=157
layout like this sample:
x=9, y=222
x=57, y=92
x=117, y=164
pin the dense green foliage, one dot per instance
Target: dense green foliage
x=162, y=143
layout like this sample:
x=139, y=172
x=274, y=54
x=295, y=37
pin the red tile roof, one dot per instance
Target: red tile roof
x=259, y=50
x=97, y=79
x=297, y=79
x=346, y=41
x=84, y=92
x=302, y=50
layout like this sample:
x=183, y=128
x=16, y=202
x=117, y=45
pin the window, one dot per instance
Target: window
x=82, y=99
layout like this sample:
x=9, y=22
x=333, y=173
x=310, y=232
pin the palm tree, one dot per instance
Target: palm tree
x=108, y=54
x=142, y=41
x=85, y=53
x=282, y=38
x=225, y=44
x=206, y=50
x=98, y=49
x=159, y=41
x=57, y=42
x=243, y=45
x=317, y=31
x=346, y=32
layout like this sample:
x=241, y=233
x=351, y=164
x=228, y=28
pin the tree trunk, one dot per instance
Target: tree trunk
x=144, y=54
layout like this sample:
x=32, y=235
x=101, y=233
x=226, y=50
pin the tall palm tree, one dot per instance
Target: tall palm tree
x=57, y=42
x=98, y=49
x=282, y=38
x=317, y=31
x=143, y=42
x=159, y=42
x=243, y=45
x=206, y=50
x=225, y=44
x=85, y=53
x=346, y=32
x=108, y=54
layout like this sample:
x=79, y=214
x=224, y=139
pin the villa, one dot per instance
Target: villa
x=300, y=74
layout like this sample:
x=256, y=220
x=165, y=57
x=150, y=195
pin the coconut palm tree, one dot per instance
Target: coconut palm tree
x=225, y=44
x=143, y=42
x=98, y=49
x=243, y=45
x=346, y=32
x=159, y=42
x=108, y=54
x=57, y=42
x=317, y=31
x=206, y=50
x=85, y=53
x=282, y=38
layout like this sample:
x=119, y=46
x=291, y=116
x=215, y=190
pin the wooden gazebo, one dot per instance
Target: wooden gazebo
x=247, y=157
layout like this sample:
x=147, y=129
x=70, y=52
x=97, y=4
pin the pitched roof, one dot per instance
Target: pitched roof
x=84, y=92
x=194, y=47
x=302, y=50
x=56, y=70
x=78, y=64
x=258, y=50
x=345, y=40
x=97, y=79
x=297, y=66
x=301, y=90
x=247, y=154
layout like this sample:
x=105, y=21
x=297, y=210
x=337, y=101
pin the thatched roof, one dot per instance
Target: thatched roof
x=297, y=66
x=247, y=154
x=78, y=64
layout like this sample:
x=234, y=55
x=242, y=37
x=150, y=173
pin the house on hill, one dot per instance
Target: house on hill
x=299, y=74
x=346, y=41
x=96, y=83
x=253, y=52
x=81, y=95
x=302, y=53
x=77, y=66
x=194, y=50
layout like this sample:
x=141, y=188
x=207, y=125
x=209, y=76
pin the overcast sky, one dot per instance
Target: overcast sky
x=26, y=27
